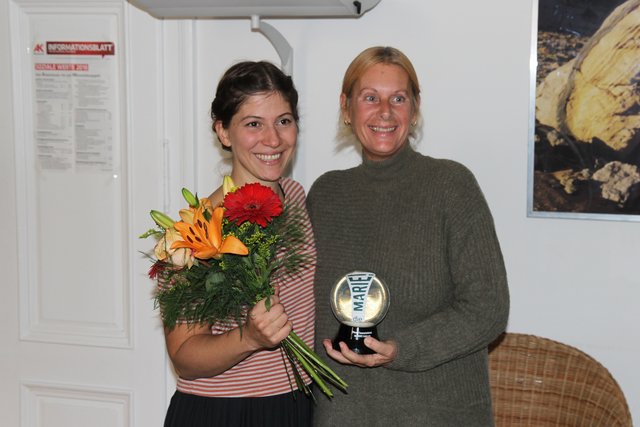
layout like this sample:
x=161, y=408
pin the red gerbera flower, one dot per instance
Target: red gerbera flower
x=255, y=203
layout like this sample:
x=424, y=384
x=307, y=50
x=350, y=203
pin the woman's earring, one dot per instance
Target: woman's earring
x=347, y=123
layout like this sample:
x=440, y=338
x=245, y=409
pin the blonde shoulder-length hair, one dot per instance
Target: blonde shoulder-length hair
x=360, y=64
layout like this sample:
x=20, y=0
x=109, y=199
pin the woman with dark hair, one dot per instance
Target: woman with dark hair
x=232, y=376
x=423, y=226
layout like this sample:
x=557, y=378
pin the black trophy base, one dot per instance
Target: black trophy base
x=354, y=337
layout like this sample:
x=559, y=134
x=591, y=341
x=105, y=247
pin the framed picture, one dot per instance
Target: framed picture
x=584, y=145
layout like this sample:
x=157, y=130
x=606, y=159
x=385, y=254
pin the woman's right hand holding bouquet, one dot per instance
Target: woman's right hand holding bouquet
x=264, y=327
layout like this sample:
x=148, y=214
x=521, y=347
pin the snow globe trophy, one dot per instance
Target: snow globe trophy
x=359, y=301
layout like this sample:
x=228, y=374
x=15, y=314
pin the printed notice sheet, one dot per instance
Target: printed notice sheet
x=74, y=85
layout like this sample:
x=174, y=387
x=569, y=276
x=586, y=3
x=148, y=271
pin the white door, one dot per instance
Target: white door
x=85, y=153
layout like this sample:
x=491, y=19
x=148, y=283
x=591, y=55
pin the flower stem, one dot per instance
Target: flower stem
x=317, y=362
x=313, y=365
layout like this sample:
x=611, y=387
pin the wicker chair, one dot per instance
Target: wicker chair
x=539, y=382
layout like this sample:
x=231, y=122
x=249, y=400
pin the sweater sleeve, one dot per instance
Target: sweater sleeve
x=477, y=311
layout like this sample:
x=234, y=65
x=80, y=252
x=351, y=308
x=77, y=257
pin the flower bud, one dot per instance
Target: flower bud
x=228, y=186
x=161, y=219
x=190, y=198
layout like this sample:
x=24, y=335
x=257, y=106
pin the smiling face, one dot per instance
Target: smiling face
x=262, y=136
x=380, y=110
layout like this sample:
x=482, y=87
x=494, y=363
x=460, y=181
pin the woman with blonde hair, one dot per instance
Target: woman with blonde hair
x=423, y=226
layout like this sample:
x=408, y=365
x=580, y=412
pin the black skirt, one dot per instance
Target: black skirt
x=284, y=410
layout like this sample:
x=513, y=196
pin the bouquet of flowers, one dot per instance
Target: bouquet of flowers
x=217, y=262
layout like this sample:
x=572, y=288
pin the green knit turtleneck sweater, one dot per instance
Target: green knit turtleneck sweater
x=423, y=226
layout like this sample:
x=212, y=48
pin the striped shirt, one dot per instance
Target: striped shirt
x=265, y=373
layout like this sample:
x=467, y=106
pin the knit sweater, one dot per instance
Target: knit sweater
x=423, y=226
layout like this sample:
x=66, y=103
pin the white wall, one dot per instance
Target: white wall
x=571, y=280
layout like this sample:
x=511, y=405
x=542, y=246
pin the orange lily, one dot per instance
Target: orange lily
x=205, y=237
x=188, y=214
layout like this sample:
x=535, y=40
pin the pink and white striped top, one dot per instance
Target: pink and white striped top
x=263, y=373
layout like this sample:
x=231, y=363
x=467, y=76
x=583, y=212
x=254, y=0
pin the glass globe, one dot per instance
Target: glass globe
x=377, y=301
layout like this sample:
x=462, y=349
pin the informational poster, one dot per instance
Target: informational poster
x=74, y=105
x=71, y=164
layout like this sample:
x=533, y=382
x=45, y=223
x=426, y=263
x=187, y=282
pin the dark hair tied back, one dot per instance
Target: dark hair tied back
x=249, y=78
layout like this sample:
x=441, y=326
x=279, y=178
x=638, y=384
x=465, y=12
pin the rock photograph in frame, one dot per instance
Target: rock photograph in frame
x=584, y=148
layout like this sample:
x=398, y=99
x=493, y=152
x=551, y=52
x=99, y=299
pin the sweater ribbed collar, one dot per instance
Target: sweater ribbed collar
x=393, y=167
